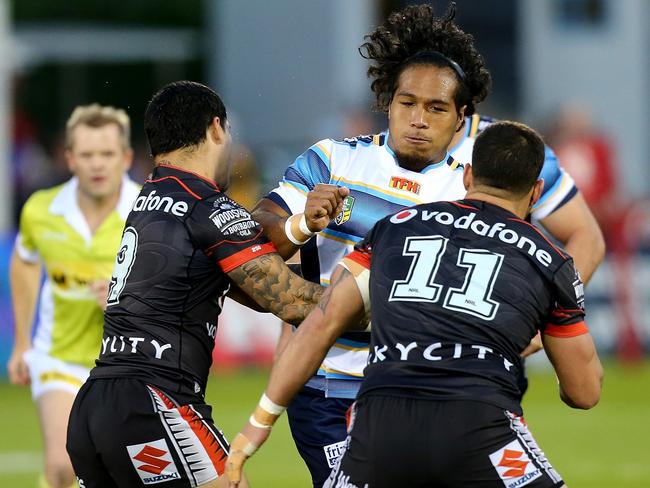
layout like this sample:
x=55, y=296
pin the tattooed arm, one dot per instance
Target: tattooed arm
x=340, y=308
x=274, y=287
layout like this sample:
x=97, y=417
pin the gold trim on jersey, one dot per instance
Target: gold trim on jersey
x=476, y=118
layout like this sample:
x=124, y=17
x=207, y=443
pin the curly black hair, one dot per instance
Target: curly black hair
x=405, y=38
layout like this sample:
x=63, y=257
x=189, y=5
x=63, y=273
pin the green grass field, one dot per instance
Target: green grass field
x=603, y=448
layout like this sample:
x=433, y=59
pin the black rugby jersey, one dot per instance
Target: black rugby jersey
x=458, y=290
x=181, y=238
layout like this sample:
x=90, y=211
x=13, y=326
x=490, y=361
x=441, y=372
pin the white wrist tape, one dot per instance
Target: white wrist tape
x=302, y=225
x=253, y=421
x=289, y=232
x=271, y=407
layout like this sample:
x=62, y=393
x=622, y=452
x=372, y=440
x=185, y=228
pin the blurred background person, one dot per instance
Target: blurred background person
x=72, y=231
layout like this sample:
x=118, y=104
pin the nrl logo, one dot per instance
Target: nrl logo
x=346, y=213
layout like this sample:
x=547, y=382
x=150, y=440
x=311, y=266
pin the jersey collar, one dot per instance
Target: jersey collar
x=66, y=204
x=163, y=169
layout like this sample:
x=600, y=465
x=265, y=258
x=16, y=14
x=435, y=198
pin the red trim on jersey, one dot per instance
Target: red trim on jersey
x=177, y=181
x=207, y=180
x=208, y=251
x=205, y=436
x=245, y=255
x=464, y=206
x=360, y=257
x=541, y=234
x=565, y=331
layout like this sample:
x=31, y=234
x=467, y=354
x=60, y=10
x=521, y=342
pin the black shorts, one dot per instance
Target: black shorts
x=126, y=433
x=319, y=429
x=417, y=442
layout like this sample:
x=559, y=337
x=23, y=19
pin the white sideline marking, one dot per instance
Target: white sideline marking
x=21, y=462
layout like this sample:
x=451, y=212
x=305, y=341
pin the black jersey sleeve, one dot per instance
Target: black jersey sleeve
x=227, y=233
x=566, y=319
x=362, y=252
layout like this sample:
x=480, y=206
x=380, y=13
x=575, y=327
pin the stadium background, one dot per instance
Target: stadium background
x=290, y=74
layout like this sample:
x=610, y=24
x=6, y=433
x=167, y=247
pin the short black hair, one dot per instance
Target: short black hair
x=179, y=114
x=415, y=36
x=508, y=156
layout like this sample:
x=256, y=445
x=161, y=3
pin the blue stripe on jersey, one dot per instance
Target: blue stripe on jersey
x=567, y=198
x=551, y=174
x=351, y=343
x=342, y=235
x=277, y=199
x=290, y=178
x=547, y=193
x=367, y=210
x=309, y=169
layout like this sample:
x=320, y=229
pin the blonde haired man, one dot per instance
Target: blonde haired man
x=73, y=231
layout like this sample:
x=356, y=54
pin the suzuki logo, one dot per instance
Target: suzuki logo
x=511, y=460
x=150, y=456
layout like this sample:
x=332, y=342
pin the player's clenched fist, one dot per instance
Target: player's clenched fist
x=252, y=436
x=323, y=204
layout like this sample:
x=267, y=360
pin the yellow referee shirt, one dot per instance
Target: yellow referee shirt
x=54, y=231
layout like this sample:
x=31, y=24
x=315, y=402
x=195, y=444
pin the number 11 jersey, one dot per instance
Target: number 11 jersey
x=458, y=290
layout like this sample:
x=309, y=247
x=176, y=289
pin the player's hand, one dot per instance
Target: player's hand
x=323, y=204
x=17, y=368
x=244, y=446
x=534, y=346
x=99, y=288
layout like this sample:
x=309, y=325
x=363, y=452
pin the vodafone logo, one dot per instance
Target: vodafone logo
x=153, y=462
x=404, y=216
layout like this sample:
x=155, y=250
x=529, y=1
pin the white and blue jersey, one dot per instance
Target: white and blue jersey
x=378, y=187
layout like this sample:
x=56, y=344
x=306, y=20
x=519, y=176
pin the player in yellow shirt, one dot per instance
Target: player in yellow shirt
x=72, y=231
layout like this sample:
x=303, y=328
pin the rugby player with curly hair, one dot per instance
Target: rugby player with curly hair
x=428, y=77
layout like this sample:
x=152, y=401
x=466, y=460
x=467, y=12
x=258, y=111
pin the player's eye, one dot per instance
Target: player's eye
x=407, y=103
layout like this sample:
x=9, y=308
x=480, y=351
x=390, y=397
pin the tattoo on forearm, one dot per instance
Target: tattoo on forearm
x=268, y=280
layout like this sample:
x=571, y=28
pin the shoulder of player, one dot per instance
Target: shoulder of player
x=552, y=256
x=361, y=140
x=40, y=200
x=219, y=209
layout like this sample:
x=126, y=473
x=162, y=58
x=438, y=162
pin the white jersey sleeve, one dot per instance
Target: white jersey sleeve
x=309, y=169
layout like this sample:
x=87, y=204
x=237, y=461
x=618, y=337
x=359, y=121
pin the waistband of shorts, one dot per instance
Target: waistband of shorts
x=334, y=388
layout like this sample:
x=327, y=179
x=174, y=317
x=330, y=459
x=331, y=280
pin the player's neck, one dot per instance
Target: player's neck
x=519, y=207
x=96, y=210
x=194, y=161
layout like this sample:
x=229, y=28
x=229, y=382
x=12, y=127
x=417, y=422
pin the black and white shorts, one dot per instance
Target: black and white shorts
x=419, y=442
x=126, y=433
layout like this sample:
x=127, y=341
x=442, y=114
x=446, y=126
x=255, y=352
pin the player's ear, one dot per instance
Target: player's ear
x=69, y=159
x=468, y=177
x=460, y=123
x=537, y=191
x=216, y=132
